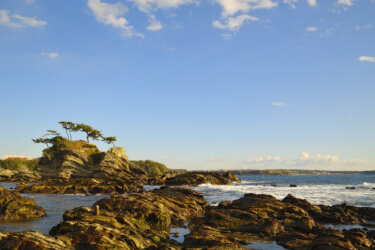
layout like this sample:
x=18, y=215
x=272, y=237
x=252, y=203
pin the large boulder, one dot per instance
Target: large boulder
x=14, y=207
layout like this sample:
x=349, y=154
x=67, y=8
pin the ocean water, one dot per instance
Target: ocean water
x=317, y=189
x=55, y=206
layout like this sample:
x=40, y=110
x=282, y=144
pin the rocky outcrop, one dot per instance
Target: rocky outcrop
x=20, y=174
x=32, y=241
x=68, y=159
x=293, y=223
x=80, y=186
x=14, y=207
x=137, y=221
x=196, y=178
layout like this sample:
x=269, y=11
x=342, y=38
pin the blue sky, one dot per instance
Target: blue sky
x=195, y=84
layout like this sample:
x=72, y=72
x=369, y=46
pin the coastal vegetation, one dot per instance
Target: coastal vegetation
x=152, y=168
x=19, y=163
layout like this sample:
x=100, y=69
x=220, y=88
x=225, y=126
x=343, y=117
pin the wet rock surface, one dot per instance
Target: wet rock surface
x=196, y=178
x=14, y=207
x=136, y=221
x=80, y=186
x=31, y=240
x=294, y=224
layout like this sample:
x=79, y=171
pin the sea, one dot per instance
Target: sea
x=356, y=190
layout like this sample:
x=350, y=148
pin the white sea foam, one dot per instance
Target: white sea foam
x=316, y=194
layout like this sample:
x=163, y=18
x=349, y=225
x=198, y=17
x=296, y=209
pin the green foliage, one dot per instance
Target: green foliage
x=17, y=163
x=109, y=140
x=69, y=127
x=151, y=167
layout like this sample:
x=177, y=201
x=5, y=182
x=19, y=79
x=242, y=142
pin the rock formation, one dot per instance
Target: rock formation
x=14, y=207
x=137, y=221
x=294, y=223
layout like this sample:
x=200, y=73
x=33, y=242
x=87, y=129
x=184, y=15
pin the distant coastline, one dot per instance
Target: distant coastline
x=295, y=172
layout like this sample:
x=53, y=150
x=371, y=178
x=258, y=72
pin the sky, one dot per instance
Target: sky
x=195, y=84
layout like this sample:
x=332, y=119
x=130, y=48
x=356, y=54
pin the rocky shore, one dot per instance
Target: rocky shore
x=132, y=218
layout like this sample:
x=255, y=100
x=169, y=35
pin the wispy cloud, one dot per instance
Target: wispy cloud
x=291, y=3
x=112, y=14
x=155, y=25
x=345, y=2
x=280, y=104
x=150, y=5
x=18, y=21
x=262, y=160
x=304, y=160
x=366, y=59
x=311, y=29
x=312, y=3
x=52, y=55
x=166, y=158
x=234, y=23
x=363, y=27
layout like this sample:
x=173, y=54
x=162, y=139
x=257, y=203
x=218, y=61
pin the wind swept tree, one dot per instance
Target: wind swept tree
x=51, y=132
x=65, y=126
x=90, y=131
x=42, y=140
x=110, y=140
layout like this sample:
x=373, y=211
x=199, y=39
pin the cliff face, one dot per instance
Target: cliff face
x=78, y=159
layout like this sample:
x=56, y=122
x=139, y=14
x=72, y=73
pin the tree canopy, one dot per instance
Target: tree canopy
x=70, y=127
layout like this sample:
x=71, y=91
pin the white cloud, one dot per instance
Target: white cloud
x=367, y=59
x=52, y=55
x=311, y=29
x=363, y=27
x=306, y=159
x=234, y=23
x=149, y=5
x=30, y=1
x=155, y=25
x=345, y=2
x=292, y=3
x=312, y=3
x=350, y=118
x=261, y=160
x=112, y=14
x=18, y=21
x=166, y=158
x=280, y=104
x=231, y=7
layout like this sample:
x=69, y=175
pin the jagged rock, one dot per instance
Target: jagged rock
x=294, y=223
x=196, y=178
x=336, y=214
x=14, y=207
x=30, y=240
x=80, y=186
x=136, y=221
